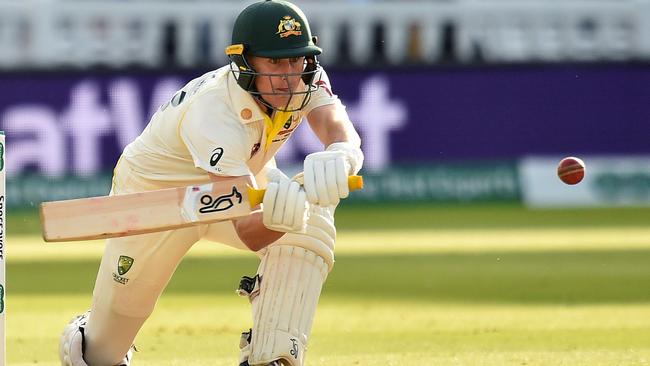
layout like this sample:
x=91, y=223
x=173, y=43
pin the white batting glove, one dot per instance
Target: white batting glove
x=285, y=204
x=326, y=173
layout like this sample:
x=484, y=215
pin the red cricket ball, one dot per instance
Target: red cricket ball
x=571, y=170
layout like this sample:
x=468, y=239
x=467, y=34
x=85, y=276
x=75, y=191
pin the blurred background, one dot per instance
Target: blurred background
x=465, y=108
x=456, y=100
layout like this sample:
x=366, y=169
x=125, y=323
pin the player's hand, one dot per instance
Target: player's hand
x=285, y=204
x=326, y=173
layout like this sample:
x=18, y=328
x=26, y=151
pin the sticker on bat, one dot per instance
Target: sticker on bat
x=221, y=203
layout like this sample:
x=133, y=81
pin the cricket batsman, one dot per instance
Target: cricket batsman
x=230, y=123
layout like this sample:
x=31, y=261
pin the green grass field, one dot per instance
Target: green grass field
x=413, y=285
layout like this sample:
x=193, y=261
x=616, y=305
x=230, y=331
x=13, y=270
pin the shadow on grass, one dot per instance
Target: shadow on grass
x=579, y=277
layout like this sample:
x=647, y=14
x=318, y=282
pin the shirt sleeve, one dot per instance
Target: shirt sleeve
x=324, y=95
x=214, y=137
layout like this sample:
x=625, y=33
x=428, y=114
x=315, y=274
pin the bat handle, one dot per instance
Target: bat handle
x=256, y=196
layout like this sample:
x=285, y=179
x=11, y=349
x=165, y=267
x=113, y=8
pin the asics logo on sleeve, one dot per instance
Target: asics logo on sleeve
x=216, y=156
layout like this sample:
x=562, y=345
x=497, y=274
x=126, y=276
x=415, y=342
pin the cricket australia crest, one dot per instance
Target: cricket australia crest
x=124, y=264
x=289, y=27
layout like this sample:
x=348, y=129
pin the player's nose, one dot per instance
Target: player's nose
x=285, y=66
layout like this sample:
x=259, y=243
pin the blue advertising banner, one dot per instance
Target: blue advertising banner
x=71, y=127
x=60, y=124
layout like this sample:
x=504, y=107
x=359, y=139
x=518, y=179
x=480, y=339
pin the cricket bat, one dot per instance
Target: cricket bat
x=151, y=211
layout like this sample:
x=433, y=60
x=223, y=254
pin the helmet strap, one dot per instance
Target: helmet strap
x=268, y=108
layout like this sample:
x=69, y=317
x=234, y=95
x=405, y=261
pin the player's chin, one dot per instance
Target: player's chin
x=281, y=101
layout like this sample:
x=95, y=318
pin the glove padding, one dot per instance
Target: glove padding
x=285, y=204
x=326, y=173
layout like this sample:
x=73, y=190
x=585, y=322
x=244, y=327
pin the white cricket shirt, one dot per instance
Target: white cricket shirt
x=213, y=125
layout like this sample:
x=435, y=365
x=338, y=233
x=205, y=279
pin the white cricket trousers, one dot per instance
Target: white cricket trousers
x=135, y=270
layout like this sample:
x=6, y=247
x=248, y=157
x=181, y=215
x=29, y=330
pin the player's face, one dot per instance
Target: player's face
x=281, y=77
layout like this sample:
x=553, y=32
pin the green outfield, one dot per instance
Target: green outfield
x=413, y=285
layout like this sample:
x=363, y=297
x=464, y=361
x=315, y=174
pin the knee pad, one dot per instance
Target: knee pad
x=320, y=236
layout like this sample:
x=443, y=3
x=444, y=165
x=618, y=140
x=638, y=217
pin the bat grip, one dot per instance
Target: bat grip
x=256, y=196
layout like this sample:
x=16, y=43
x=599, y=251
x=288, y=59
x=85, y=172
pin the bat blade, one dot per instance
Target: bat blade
x=144, y=212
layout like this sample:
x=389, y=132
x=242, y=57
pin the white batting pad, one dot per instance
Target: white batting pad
x=291, y=282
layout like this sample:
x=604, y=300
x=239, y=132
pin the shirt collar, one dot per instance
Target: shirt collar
x=243, y=103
